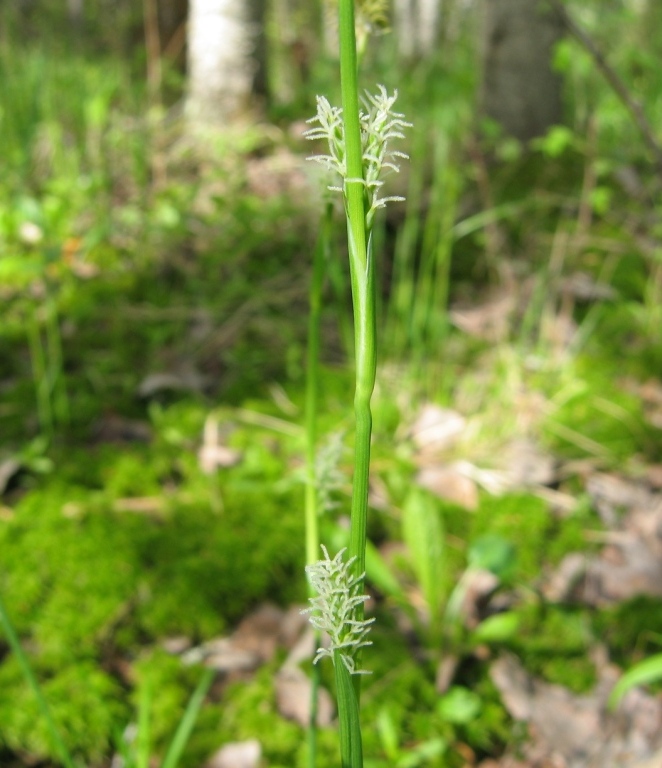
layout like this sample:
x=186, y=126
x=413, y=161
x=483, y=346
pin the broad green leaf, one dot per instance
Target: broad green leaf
x=423, y=753
x=388, y=733
x=497, y=629
x=423, y=533
x=18, y=271
x=646, y=671
x=459, y=706
x=492, y=553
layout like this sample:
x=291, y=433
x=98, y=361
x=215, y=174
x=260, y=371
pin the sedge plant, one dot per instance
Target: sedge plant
x=357, y=135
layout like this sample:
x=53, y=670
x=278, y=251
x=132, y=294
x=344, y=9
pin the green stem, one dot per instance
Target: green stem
x=362, y=279
x=363, y=290
x=314, y=706
x=351, y=743
x=320, y=259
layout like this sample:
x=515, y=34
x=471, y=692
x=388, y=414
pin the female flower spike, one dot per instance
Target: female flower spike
x=334, y=609
x=379, y=125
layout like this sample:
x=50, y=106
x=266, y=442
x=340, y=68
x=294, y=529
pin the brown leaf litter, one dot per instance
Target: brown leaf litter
x=255, y=642
x=630, y=562
x=578, y=731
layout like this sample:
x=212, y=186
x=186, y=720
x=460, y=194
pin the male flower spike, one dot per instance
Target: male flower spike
x=379, y=125
x=334, y=609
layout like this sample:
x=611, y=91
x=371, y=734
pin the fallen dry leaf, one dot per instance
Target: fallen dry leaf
x=237, y=754
x=224, y=656
x=212, y=454
x=449, y=484
x=436, y=429
x=490, y=321
x=293, y=625
x=577, y=731
x=260, y=631
x=582, y=286
x=526, y=464
x=304, y=649
x=630, y=563
x=654, y=476
x=611, y=494
x=293, y=698
x=253, y=643
x=184, y=380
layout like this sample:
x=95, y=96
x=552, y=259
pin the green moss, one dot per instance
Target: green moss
x=67, y=580
x=631, y=630
x=522, y=519
x=554, y=643
x=87, y=704
x=569, y=532
x=204, y=569
x=84, y=582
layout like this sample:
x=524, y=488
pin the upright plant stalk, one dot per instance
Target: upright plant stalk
x=320, y=259
x=312, y=396
x=358, y=154
x=362, y=279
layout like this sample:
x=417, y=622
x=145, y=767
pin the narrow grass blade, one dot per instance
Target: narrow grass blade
x=187, y=723
x=17, y=649
x=320, y=261
x=143, y=737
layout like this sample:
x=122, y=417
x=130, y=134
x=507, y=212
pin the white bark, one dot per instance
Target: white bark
x=417, y=26
x=222, y=59
x=75, y=11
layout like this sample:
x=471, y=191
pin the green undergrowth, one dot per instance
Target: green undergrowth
x=89, y=582
x=126, y=252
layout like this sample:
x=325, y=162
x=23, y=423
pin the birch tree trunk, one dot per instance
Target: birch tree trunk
x=417, y=26
x=519, y=88
x=225, y=59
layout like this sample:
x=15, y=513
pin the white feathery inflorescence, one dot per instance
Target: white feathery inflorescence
x=334, y=610
x=380, y=124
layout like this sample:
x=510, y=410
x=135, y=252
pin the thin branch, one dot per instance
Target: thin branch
x=633, y=106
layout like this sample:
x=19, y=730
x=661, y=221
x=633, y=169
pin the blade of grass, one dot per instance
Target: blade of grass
x=143, y=737
x=320, y=260
x=187, y=723
x=15, y=645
